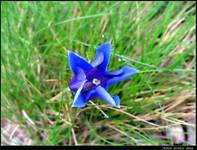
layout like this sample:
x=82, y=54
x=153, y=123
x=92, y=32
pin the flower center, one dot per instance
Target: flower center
x=96, y=81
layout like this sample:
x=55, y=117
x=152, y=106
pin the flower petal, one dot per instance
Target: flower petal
x=90, y=94
x=114, y=73
x=126, y=73
x=103, y=55
x=98, y=60
x=80, y=74
x=79, y=100
x=77, y=80
x=117, y=101
x=103, y=94
x=77, y=61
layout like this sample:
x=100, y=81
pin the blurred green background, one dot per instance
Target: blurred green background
x=157, y=104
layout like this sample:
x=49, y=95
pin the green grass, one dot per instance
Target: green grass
x=156, y=38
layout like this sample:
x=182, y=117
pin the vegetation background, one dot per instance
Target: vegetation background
x=157, y=104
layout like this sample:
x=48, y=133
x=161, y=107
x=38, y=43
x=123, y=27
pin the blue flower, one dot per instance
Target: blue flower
x=91, y=80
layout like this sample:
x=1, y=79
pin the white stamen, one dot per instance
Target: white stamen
x=96, y=81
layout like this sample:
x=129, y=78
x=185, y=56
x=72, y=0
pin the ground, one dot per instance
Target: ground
x=157, y=104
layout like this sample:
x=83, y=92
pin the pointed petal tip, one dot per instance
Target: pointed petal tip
x=134, y=71
x=107, y=43
x=117, y=101
x=131, y=69
x=118, y=106
x=115, y=105
x=137, y=71
x=76, y=106
x=71, y=53
x=110, y=42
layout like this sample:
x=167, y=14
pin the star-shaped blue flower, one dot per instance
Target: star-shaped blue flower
x=91, y=81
